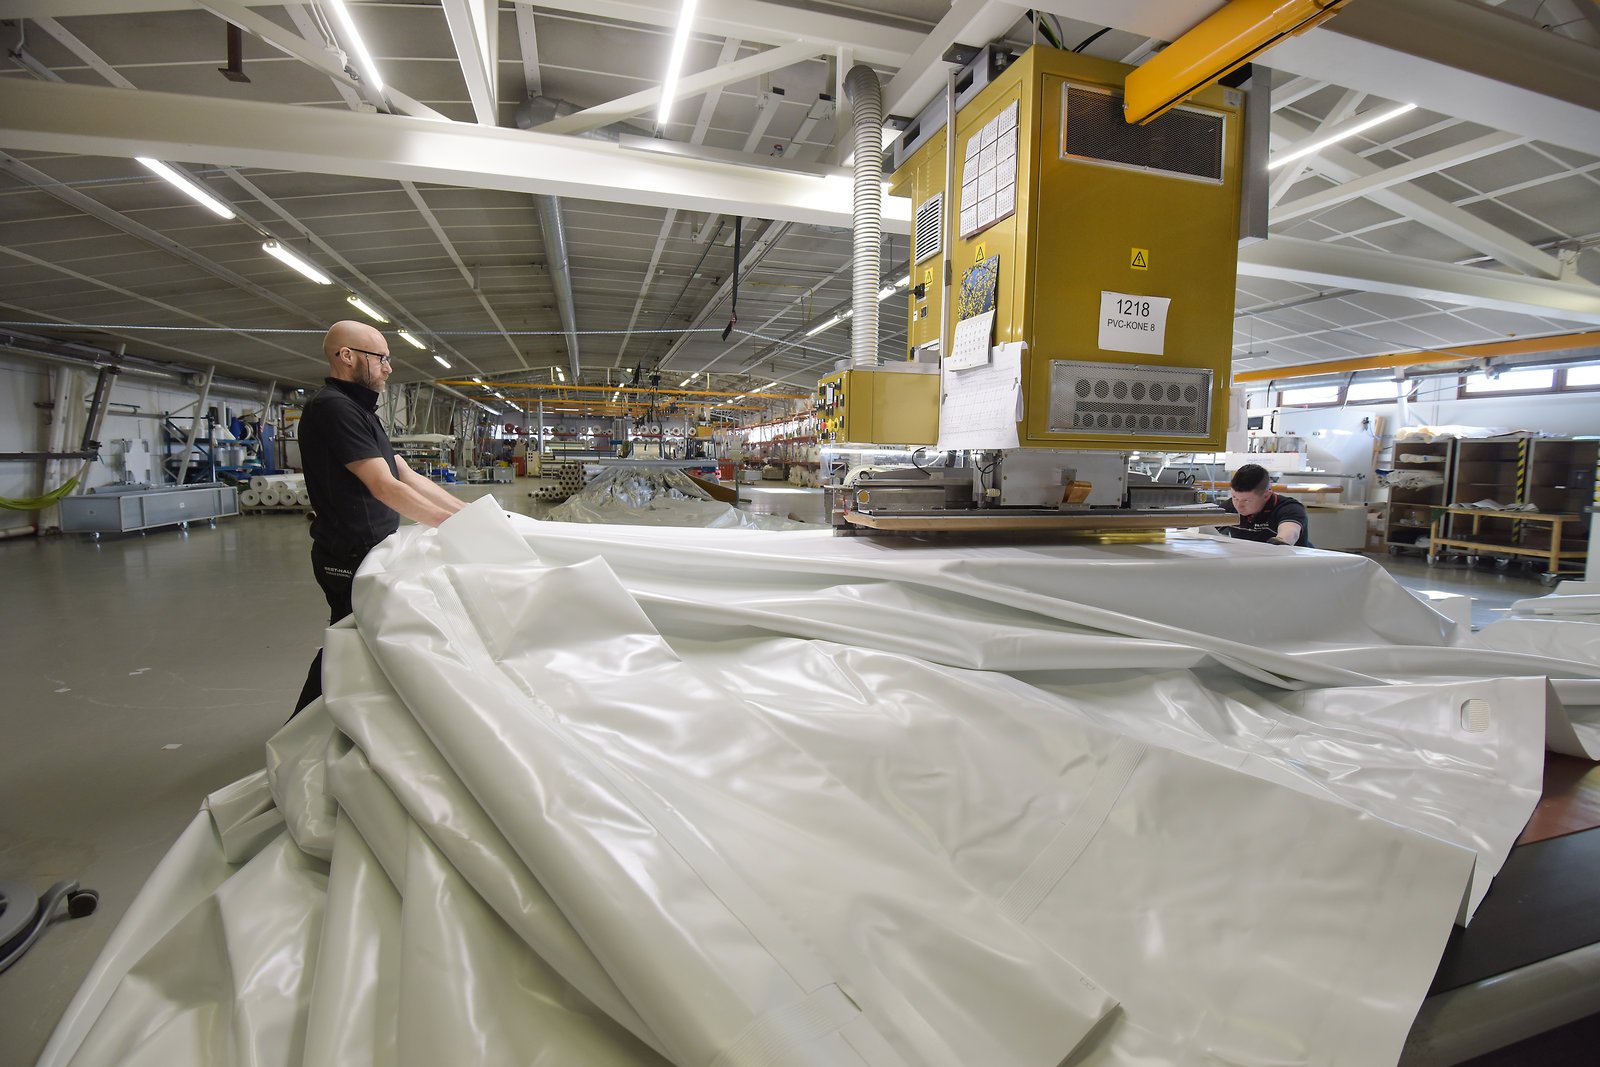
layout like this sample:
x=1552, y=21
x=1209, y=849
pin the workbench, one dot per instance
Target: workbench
x=1475, y=544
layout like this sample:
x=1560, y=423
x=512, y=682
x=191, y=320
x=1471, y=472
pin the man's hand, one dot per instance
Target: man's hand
x=401, y=496
x=427, y=487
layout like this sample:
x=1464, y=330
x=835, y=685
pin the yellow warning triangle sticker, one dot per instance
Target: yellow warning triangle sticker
x=1140, y=260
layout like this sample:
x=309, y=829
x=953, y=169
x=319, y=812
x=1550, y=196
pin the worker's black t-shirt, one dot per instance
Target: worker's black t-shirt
x=1263, y=525
x=338, y=426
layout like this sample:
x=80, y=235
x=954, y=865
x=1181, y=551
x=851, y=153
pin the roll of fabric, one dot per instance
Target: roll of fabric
x=270, y=498
x=259, y=482
x=250, y=498
x=303, y=498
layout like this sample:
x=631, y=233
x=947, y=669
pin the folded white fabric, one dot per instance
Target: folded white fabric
x=773, y=799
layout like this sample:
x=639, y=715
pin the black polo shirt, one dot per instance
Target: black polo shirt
x=1263, y=525
x=340, y=426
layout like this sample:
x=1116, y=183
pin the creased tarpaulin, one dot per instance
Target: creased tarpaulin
x=639, y=796
x=657, y=496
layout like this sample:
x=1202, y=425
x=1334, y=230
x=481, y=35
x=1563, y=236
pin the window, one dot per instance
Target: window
x=1586, y=376
x=1378, y=392
x=1510, y=381
x=1309, y=396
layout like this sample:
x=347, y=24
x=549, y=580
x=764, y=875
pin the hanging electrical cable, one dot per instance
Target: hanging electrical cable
x=1091, y=39
x=38, y=503
x=738, y=236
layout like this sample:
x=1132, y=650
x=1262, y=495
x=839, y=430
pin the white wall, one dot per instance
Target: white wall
x=1569, y=414
x=128, y=443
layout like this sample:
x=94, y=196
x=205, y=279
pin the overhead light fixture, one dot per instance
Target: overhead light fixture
x=368, y=68
x=437, y=358
x=294, y=262
x=1371, y=119
x=687, y=380
x=190, y=187
x=409, y=338
x=830, y=323
x=478, y=380
x=561, y=374
x=769, y=385
x=680, y=45
x=368, y=310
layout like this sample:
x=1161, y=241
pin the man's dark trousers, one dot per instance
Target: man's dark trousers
x=336, y=575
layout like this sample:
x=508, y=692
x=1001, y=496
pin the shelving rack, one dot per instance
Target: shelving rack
x=1554, y=475
x=1489, y=469
x=1561, y=481
x=1410, y=511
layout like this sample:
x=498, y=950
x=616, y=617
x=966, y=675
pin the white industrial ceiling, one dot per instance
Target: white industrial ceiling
x=93, y=246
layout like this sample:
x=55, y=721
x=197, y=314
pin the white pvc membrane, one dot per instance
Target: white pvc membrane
x=657, y=496
x=594, y=795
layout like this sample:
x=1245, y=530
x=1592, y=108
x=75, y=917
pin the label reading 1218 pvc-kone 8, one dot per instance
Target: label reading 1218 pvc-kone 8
x=1131, y=323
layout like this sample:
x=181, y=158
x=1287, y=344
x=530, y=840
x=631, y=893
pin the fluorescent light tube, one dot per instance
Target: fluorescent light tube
x=685, y=382
x=437, y=358
x=1360, y=127
x=769, y=385
x=366, y=309
x=294, y=262
x=410, y=339
x=561, y=374
x=826, y=324
x=190, y=188
x=680, y=45
x=478, y=380
x=369, y=69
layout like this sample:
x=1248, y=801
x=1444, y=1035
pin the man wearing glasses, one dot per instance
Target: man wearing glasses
x=359, y=488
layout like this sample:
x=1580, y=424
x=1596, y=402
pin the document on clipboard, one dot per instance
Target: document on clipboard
x=979, y=408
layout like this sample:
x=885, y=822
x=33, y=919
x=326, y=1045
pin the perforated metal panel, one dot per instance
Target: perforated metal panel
x=1185, y=141
x=1125, y=398
x=930, y=227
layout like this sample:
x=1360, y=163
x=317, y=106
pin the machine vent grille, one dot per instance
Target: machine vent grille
x=1184, y=141
x=930, y=227
x=1129, y=399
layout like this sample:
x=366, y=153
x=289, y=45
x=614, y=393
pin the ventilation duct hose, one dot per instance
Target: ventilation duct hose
x=866, y=97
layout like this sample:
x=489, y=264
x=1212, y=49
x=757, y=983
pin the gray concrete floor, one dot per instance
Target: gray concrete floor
x=115, y=650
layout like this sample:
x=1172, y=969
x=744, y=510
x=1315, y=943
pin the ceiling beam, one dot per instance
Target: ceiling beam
x=1434, y=212
x=96, y=121
x=1458, y=59
x=1337, y=115
x=528, y=38
x=747, y=264
x=1433, y=162
x=466, y=272
x=475, y=28
x=922, y=74
x=626, y=107
x=759, y=21
x=708, y=107
x=312, y=34
x=286, y=41
x=1317, y=263
x=172, y=309
x=396, y=306
x=117, y=220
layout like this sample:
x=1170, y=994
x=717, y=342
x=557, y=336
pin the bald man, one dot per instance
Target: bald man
x=359, y=488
